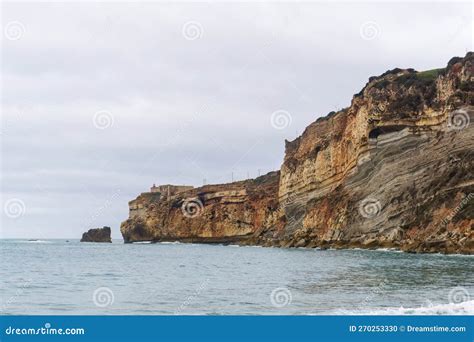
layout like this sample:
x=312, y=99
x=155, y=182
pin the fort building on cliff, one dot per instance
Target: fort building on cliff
x=170, y=190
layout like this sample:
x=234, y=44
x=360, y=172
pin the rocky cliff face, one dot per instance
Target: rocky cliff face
x=97, y=235
x=392, y=170
x=214, y=213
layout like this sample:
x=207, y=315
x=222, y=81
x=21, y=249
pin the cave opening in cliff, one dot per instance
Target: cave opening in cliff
x=376, y=132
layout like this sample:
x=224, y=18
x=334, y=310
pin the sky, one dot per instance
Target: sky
x=101, y=100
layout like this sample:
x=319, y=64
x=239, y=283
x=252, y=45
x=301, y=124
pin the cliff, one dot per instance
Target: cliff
x=97, y=235
x=213, y=213
x=392, y=170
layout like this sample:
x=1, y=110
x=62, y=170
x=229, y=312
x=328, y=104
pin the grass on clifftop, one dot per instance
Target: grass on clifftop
x=417, y=79
x=429, y=75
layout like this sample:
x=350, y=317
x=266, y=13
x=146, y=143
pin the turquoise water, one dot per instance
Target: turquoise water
x=59, y=277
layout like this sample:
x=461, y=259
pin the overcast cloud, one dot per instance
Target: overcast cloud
x=181, y=93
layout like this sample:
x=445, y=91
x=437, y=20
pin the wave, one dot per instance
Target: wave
x=393, y=250
x=33, y=241
x=463, y=308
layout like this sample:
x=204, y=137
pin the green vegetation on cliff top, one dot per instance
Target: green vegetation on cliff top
x=430, y=74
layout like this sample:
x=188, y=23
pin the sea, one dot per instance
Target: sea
x=67, y=277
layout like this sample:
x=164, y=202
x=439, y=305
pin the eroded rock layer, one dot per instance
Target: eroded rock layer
x=392, y=170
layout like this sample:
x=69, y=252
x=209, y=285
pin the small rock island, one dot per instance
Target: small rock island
x=97, y=235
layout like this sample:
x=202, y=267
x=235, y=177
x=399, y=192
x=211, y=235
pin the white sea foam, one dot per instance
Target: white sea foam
x=463, y=308
x=33, y=241
x=389, y=250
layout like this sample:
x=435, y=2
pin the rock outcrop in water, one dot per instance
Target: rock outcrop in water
x=97, y=235
x=393, y=170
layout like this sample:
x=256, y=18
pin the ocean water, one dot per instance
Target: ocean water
x=60, y=278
